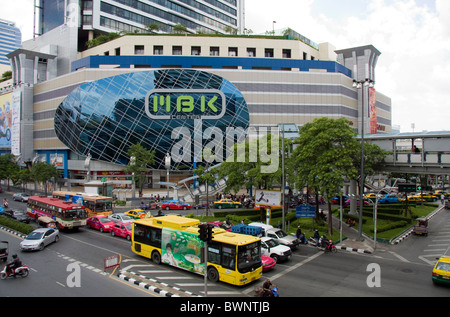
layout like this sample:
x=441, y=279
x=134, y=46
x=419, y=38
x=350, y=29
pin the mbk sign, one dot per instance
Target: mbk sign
x=209, y=104
x=205, y=104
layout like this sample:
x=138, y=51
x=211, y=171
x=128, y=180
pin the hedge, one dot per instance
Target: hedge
x=16, y=225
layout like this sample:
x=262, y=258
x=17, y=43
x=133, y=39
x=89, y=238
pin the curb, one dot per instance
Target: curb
x=14, y=232
x=353, y=250
x=153, y=285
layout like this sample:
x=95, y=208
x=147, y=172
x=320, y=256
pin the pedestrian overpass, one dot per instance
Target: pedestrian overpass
x=415, y=153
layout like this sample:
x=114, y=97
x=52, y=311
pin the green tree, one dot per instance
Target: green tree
x=140, y=165
x=8, y=167
x=153, y=27
x=324, y=156
x=244, y=171
x=179, y=28
x=43, y=172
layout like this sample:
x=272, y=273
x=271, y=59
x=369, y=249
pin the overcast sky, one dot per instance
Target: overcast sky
x=413, y=37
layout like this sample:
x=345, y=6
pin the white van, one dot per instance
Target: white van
x=276, y=251
x=277, y=234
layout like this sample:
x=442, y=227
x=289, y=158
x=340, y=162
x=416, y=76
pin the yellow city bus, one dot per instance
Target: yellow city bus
x=232, y=258
x=95, y=205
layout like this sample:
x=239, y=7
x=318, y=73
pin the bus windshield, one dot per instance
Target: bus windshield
x=249, y=257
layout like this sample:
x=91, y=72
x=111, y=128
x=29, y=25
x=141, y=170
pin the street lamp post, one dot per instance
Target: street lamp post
x=363, y=84
x=167, y=163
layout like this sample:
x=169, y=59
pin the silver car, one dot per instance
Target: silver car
x=120, y=217
x=39, y=239
x=23, y=197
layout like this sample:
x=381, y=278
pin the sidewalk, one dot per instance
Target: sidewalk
x=351, y=241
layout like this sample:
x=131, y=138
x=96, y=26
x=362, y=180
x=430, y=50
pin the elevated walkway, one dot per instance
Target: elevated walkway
x=418, y=153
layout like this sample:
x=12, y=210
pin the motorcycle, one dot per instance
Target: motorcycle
x=22, y=271
x=260, y=292
x=312, y=241
x=330, y=248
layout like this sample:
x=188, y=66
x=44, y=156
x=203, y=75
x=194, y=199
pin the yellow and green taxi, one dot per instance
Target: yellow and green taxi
x=227, y=203
x=416, y=198
x=428, y=197
x=136, y=213
x=441, y=271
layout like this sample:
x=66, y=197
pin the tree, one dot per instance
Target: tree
x=43, y=172
x=244, y=171
x=143, y=160
x=324, y=157
x=8, y=167
x=153, y=27
x=179, y=28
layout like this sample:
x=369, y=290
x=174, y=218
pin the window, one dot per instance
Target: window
x=232, y=51
x=177, y=50
x=139, y=50
x=158, y=50
x=195, y=50
x=286, y=53
x=117, y=51
x=268, y=52
x=214, y=51
x=305, y=56
x=147, y=235
x=251, y=52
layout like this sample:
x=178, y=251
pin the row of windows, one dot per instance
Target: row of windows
x=138, y=18
x=177, y=50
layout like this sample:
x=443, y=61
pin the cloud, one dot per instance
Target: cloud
x=413, y=39
x=22, y=13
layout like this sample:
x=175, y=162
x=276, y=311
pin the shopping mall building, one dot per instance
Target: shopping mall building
x=156, y=89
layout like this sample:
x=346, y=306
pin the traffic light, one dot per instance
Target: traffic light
x=203, y=231
x=209, y=234
x=406, y=188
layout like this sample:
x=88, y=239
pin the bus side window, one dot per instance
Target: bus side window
x=228, y=257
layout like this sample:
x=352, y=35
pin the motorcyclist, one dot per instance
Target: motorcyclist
x=5, y=203
x=16, y=263
x=325, y=242
x=267, y=288
x=316, y=236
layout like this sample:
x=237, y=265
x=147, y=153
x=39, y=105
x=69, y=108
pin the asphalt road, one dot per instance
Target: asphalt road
x=399, y=270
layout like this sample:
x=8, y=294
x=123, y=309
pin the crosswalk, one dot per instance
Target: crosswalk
x=170, y=281
x=438, y=245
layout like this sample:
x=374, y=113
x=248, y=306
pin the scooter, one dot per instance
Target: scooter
x=330, y=248
x=275, y=292
x=22, y=271
x=313, y=242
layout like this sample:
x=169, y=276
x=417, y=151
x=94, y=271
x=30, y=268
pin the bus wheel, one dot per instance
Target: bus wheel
x=213, y=275
x=156, y=257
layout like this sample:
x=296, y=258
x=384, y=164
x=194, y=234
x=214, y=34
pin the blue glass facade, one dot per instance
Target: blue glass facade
x=104, y=118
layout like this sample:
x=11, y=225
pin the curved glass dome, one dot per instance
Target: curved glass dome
x=105, y=117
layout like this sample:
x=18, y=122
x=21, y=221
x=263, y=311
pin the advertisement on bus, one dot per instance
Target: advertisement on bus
x=182, y=249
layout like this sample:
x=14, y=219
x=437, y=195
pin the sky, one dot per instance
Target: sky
x=413, y=37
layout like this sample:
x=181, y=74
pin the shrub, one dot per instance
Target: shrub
x=16, y=225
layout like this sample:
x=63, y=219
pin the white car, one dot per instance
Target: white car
x=276, y=251
x=39, y=239
x=120, y=217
